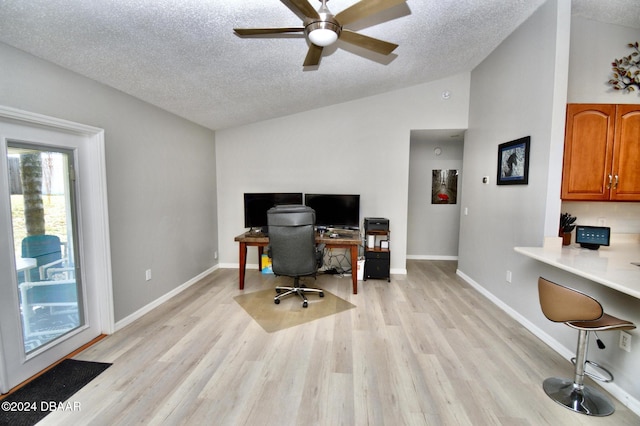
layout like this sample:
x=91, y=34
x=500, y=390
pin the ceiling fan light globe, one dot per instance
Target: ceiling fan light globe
x=323, y=32
x=323, y=37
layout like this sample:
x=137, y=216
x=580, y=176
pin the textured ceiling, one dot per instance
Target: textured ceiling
x=182, y=55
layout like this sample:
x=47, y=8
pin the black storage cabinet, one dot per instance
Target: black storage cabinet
x=377, y=260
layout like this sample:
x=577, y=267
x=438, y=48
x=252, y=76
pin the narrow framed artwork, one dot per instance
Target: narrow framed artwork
x=444, y=186
x=513, y=162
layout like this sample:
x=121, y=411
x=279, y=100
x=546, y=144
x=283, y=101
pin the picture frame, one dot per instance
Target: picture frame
x=513, y=162
x=384, y=244
x=444, y=186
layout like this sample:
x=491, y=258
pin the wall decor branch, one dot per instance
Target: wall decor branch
x=626, y=71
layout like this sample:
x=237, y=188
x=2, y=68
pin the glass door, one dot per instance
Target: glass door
x=54, y=265
x=47, y=268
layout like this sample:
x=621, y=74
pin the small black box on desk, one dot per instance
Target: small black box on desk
x=376, y=224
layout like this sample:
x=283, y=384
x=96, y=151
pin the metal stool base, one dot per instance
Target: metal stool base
x=581, y=399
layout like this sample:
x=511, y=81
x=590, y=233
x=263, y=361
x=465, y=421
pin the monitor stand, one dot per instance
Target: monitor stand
x=590, y=246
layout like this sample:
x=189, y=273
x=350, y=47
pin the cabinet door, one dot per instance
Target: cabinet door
x=588, y=150
x=626, y=154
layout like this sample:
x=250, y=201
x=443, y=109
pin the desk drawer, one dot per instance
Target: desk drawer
x=385, y=255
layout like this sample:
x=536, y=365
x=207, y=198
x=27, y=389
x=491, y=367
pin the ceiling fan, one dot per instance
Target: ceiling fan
x=322, y=28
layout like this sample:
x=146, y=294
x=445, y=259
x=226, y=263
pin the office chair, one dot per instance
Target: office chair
x=585, y=314
x=292, y=248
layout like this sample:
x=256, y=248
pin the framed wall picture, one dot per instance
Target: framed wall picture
x=444, y=186
x=513, y=162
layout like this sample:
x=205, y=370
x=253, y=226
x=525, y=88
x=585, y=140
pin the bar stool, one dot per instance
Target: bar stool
x=585, y=314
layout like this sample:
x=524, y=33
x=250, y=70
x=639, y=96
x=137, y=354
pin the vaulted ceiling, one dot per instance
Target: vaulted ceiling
x=183, y=56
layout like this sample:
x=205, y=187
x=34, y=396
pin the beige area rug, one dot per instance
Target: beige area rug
x=289, y=313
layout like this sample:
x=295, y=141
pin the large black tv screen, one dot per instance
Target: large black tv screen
x=335, y=210
x=257, y=204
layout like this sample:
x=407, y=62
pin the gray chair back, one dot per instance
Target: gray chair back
x=292, y=244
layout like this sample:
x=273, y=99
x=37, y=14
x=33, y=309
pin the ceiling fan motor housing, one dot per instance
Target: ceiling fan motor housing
x=326, y=22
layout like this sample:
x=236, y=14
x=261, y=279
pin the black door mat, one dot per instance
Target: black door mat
x=48, y=392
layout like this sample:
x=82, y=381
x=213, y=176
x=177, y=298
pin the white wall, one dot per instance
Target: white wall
x=433, y=229
x=594, y=46
x=518, y=91
x=512, y=96
x=160, y=176
x=359, y=147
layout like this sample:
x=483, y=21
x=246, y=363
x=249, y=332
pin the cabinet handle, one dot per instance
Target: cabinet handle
x=610, y=180
x=615, y=185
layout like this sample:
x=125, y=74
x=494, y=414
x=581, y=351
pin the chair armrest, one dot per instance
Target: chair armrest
x=43, y=268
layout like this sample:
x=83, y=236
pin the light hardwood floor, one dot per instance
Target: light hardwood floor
x=425, y=349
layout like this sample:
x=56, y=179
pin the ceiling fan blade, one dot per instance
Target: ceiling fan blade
x=370, y=43
x=313, y=55
x=364, y=8
x=258, y=31
x=302, y=7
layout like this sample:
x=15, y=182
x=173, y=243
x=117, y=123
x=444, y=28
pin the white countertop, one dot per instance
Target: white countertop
x=609, y=266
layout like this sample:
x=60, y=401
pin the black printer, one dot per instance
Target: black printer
x=376, y=224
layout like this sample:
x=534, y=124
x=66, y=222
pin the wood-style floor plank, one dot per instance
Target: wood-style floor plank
x=424, y=349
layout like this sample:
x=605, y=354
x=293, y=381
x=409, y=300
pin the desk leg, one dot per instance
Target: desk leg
x=354, y=268
x=260, y=251
x=243, y=264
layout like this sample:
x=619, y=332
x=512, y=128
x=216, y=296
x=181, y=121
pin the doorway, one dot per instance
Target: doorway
x=55, y=295
x=435, y=170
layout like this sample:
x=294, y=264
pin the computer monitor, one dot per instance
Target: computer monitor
x=257, y=204
x=592, y=237
x=335, y=210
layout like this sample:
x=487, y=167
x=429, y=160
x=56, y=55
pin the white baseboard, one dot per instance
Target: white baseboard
x=616, y=391
x=237, y=266
x=159, y=301
x=430, y=257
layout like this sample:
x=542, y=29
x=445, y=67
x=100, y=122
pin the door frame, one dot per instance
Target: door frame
x=93, y=202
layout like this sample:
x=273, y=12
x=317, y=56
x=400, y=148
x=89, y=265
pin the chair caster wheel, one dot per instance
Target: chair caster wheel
x=276, y=301
x=305, y=304
x=321, y=294
x=278, y=291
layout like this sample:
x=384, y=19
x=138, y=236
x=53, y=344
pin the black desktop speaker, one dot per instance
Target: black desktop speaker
x=376, y=224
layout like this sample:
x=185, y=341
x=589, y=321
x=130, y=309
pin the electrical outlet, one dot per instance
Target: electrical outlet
x=508, y=278
x=625, y=341
x=215, y=254
x=147, y=274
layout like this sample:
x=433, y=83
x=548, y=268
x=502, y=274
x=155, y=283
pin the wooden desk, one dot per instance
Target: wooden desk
x=251, y=239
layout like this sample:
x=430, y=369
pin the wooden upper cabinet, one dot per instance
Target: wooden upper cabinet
x=602, y=153
x=588, y=150
x=626, y=154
